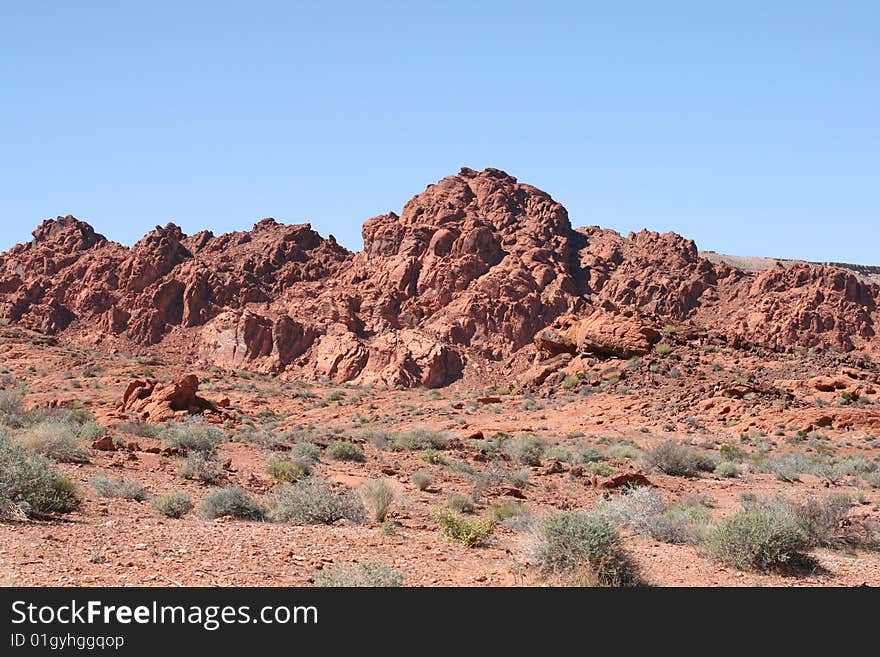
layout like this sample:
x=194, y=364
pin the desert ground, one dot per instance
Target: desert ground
x=561, y=449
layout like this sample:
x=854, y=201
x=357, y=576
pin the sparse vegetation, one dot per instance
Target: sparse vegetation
x=472, y=532
x=765, y=534
x=678, y=460
x=231, y=501
x=527, y=450
x=460, y=503
x=371, y=574
x=378, y=497
x=173, y=505
x=313, y=501
x=289, y=470
x=204, y=467
x=345, y=450
x=31, y=485
x=193, y=435
x=55, y=439
x=584, y=549
x=123, y=488
x=644, y=511
x=421, y=479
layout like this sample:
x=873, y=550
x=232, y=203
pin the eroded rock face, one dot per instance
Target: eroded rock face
x=470, y=272
x=601, y=333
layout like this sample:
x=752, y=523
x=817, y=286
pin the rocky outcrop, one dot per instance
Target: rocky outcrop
x=621, y=335
x=477, y=270
x=157, y=402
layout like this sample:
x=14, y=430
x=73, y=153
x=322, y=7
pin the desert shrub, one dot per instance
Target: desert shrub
x=127, y=489
x=193, y=435
x=644, y=511
x=313, y=502
x=31, y=485
x=678, y=460
x=872, y=479
x=306, y=450
x=590, y=455
x=663, y=348
x=416, y=440
x=11, y=408
x=763, y=535
x=527, y=450
x=501, y=510
x=472, y=532
x=138, y=428
x=57, y=440
x=584, y=549
x=600, y=469
x=728, y=470
x=372, y=574
x=421, y=479
x=378, y=496
x=731, y=452
x=460, y=503
x=823, y=519
x=231, y=501
x=345, y=450
x=378, y=438
x=173, y=505
x=433, y=457
x=289, y=470
x=264, y=439
x=204, y=467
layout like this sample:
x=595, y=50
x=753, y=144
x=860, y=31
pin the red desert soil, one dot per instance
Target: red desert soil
x=478, y=311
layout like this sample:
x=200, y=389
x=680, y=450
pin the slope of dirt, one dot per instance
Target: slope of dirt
x=769, y=404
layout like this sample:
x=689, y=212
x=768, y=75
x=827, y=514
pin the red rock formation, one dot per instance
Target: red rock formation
x=156, y=402
x=469, y=273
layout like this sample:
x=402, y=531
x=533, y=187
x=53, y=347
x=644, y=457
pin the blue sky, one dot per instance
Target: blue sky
x=752, y=127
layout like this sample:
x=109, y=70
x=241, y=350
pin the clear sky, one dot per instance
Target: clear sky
x=752, y=127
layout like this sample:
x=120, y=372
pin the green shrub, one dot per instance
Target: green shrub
x=345, y=450
x=370, y=574
x=54, y=439
x=728, y=470
x=313, y=502
x=460, y=503
x=289, y=470
x=307, y=451
x=763, y=535
x=600, y=469
x=173, y=505
x=127, y=489
x=678, y=460
x=204, y=467
x=433, y=457
x=501, y=510
x=11, y=408
x=471, y=532
x=663, y=348
x=731, y=452
x=231, y=501
x=417, y=440
x=138, y=428
x=643, y=510
x=527, y=450
x=824, y=520
x=193, y=435
x=264, y=439
x=421, y=479
x=31, y=485
x=378, y=496
x=584, y=549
